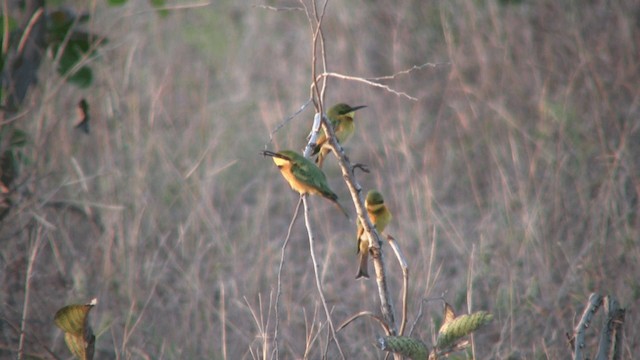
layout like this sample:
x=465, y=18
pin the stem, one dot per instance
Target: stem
x=355, y=190
x=316, y=272
x=27, y=291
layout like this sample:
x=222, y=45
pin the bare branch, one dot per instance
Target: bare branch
x=27, y=289
x=407, y=71
x=279, y=8
x=369, y=314
x=368, y=82
x=279, y=288
x=405, y=280
x=610, y=345
x=374, y=237
x=286, y=121
x=595, y=301
x=316, y=271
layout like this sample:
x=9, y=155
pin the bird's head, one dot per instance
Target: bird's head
x=374, y=198
x=342, y=109
x=280, y=158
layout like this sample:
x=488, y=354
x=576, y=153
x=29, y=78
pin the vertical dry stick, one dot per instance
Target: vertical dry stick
x=317, y=32
x=431, y=257
x=316, y=272
x=610, y=345
x=279, y=289
x=470, y=295
x=27, y=290
x=595, y=300
x=405, y=280
x=347, y=172
x=374, y=237
x=223, y=320
x=5, y=28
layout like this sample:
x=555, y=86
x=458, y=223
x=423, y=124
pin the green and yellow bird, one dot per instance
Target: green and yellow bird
x=341, y=118
x=380, y=217
x=303, y=175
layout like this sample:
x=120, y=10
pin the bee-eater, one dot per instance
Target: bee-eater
x=341, y=118
x=380, y=218
x=303, y=175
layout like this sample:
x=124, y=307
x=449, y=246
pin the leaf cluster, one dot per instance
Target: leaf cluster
x=450, y=336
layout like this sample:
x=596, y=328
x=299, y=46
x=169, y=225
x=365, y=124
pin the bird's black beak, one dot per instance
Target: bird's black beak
x=273, y=154
x=358, y=107
x=268, y=153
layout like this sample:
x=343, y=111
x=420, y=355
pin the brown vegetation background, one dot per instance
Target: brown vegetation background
x=514, y=179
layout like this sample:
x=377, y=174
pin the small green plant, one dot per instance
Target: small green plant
x=450, y=337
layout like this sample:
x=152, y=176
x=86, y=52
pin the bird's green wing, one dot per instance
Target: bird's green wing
x=308, y=173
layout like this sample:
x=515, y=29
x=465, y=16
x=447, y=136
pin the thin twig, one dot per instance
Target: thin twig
x=405, y=280
x=279, y=8
x=322, y=50
x=223, y=319
x=368, y=82
x=316, y=272
x=279, y=287
x=470, y=296
x=5, y=28
x=407, y=71
x=27, y=31
x=369, y=314
x=27, y=291
x=286, y=121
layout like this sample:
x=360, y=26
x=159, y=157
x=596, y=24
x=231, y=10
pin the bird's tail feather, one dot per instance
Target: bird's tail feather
x=363, y=271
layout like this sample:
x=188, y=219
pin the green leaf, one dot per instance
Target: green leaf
x=82, y=78
x=59, y=23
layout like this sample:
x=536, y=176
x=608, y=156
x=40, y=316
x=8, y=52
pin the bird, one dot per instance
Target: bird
x=303, y=175
x=341, y=119
x=380, y=217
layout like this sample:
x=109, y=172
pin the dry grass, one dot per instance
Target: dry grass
x=518, y=166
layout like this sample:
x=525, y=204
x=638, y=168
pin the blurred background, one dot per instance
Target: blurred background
x=513, y=178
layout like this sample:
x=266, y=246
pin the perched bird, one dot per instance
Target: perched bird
x=303, y=175
x=380, y=218
x=341, y=118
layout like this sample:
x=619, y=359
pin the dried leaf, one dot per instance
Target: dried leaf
x=72, y=319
